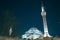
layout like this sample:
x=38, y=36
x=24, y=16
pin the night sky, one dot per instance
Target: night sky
x=21, y=15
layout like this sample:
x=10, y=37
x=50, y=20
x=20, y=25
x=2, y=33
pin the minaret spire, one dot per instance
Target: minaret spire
x=10, y=31
x=43, y=14
x=42, y=6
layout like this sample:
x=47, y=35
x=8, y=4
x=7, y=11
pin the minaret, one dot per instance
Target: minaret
x=43, y=14
x=10, y=31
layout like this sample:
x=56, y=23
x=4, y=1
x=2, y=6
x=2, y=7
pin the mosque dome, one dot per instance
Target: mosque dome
x=32, y=32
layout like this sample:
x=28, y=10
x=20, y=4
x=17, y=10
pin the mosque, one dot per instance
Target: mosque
x=33, y=33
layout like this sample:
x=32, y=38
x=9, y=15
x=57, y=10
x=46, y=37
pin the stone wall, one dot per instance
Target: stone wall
x=10, y=38
x=17, y=38
x=48, y=38
x=56, y=38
